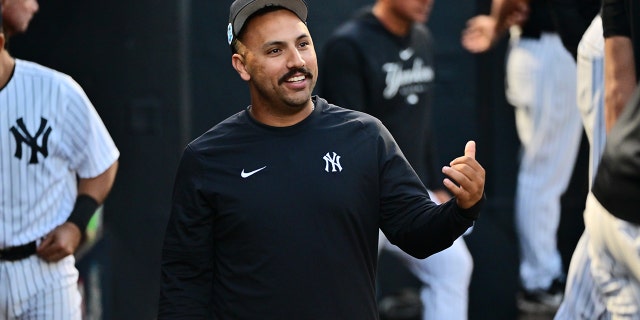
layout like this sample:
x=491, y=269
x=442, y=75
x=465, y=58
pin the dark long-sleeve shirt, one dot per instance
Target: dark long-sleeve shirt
x=282, y=223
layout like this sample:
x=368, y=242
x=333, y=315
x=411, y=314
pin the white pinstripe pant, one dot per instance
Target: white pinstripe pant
x=590, y=91
x=34, y=289
x=614, y=250
x=541, y=85
x=581, y=299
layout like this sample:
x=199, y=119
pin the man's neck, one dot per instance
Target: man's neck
x=275, y=117
x=7, y=63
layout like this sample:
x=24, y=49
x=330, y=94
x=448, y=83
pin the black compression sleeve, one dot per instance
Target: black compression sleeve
x=82, y=212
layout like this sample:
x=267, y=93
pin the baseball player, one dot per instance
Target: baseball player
x=581, y=299
x=541, y=85
x=611, y=211
x=57, y=165
x=381, y=62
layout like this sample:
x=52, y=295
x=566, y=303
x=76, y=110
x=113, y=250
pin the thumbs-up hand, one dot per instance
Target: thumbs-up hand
x=469, y=176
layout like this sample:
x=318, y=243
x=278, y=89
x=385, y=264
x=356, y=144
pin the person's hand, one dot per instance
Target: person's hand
x=517, y=12
x=469, y=176
x=59, y=243
x=480, y=34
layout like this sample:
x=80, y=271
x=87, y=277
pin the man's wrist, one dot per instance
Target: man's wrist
x=473, y=212
x=83, y=210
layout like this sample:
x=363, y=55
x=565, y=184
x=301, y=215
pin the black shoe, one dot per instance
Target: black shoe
x=542, y=301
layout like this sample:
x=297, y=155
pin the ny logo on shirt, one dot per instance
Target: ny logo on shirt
x=333, y=160
x=23, y=135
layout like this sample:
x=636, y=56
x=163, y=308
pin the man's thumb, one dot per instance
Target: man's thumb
x=470, y=149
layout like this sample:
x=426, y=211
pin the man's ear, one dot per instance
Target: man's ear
x=238, y=62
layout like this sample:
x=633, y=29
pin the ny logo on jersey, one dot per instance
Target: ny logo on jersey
x=23, y=135
x=334, y=161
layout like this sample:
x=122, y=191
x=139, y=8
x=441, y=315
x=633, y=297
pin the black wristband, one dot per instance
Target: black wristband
x=82, y=212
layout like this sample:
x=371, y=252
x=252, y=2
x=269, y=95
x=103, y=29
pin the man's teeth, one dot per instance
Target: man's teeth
x=294, y=79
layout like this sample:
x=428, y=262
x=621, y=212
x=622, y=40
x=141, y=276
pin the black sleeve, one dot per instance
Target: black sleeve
x=572, y=18
x=615, y=21
x=408, y=218
x=342, y=75
x=187, y=253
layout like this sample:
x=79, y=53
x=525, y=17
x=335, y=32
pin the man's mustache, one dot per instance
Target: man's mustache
x=292, y=72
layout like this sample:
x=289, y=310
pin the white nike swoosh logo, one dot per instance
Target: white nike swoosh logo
x=248, y=174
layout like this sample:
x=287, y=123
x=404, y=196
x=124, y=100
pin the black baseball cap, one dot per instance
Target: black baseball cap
x=241, y=10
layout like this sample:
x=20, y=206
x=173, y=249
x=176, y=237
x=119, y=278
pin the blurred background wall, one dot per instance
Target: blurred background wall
x=159, y=74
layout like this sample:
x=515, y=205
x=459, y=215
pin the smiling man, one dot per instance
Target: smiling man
x=276, y=210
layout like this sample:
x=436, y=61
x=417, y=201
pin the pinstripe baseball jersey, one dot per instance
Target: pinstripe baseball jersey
x=50, y=134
